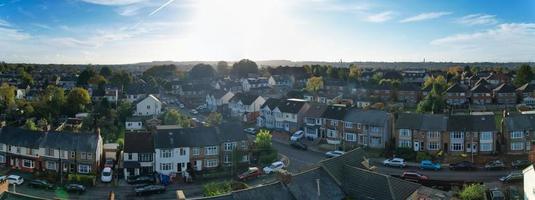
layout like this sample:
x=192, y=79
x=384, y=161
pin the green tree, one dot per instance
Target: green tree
x=263, y=148
x=439, y=81
x=27, y=79
x=343, y=73
x=84, y=77
x=222, y=68
x=215, y=189
x=376, y=78
x=524, y=75
x=173, y=117
x=473, y=192
x=97, y=80
x=7, y=96
x=214, y=119
x=314, y=84
x=30, y=125
x=124, y=111
x=263, y=140
x=433, y=102
x=331, y=72
x=201, y=71
x=106, y=72
x=77, y=100
x=354, y=72
x=243, y=68
x=121, y=79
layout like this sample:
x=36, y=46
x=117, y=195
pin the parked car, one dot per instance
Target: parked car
x=251, y=131
x=39, y=183
x=463, y=165
x=142, y=179
x=332, y=154
x=274, y=167
x=494, y=165
x=427, y=164
x=520, y=164
x=106, y=175
x=181, y=106
x=15, y=179
x=413, y=176
x=395, y=162
x=297, y=135
x=496, y=194
x=252, y=172
x=512, y=177
x=299, y=145
x=194, y=112
x=149, y=189
x=76, y=188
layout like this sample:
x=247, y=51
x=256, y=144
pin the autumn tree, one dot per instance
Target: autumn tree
x=77, y=100
x=173, y=117
x=354, y=72
x=214, y=119
x=314, y=84
x=7, y=96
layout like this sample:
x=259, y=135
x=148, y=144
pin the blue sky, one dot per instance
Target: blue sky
x=128, y=31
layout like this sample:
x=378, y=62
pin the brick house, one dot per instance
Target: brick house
x=505, y=94
x=421, y=132
x=481, y=95
x=519, y=132
x=475, y=134
x=408, y=94
x=526, y=93
x=456, y=95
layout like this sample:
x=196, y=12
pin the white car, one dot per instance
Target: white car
x=274, y=167
x=332, y=154
x=395, y=162
x=106, y=175
x=15, y=179
x=297, y=135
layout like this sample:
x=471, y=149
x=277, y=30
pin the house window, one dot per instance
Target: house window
x=348, y=124
x=227, y=158
x=83, y=156
x=375, y=141
x=405, y=143
x=210, y=163
x=331, y=133
x=487, y=136
x=27, y=163
x=166, y=166
x=2, y=159
x=51, y=165
x=148, y=106
x=485, y=146
x=182, y=152
x=350, y=137
x=212, y=150
x=433, y=134
x=404, y=133
x=84, y=169
x=73, y=154
x=196, y=151
x=145, y=157
x=359, y=126
x=334, y=123
x=457, y=146
x=374, y=129
x=457, y=135
x=517, y=134
x=516, y=146
x=18, y=150
x=166, y=153
x=129, y=156
x=229, y=146
x=433, y=146
x=49, y=152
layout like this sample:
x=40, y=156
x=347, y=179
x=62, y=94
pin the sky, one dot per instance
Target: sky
x=130, y=31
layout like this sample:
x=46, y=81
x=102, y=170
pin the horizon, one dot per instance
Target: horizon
x=131, y=31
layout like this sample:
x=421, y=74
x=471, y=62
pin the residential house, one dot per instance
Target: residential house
x=526, y=93
x=252, y=83
x=505, y=94
x=382, y=92
x=269, y=112
x=456, y=95
x=416, y=76
x=218, y=98
x=421, y=132
x=322, y=97
x=474, y=134
x=519, y=132
x=313, y=121
x=332, y=119
x=149, y=106
x=245, y=106
x=138, y=154
x=481, y=95
x=529, y=183
x=135, y=123
x=370, y=128
x=409, y=94
x=292, y=111
x=280, y=81
x=139, y=91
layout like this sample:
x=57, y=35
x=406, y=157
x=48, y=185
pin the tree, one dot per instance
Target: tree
x=84, y=77
x=27, y=79
x=222, y=68
x=7, y=96
x=524, y=75
x=314, y=84
x=124, y=111
x=173, y=117
x=473, y=192
x=264, y=149
x=440, y=81
x=161, y=71
x=243, y=68
x=97, y=80
x=331, y=72
x=354, y=72
x=433, y=102
x=263, y=140
x=30, y=125
x=77, y=100
x=121, y=79
x=51, y=102
x=106, y=72
x=214, y=119
x=202, y=70
x=342, y=73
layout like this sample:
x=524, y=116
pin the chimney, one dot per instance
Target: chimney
x=318, y=187
x=180, y=195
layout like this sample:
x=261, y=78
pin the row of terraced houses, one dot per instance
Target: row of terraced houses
x=348, y=127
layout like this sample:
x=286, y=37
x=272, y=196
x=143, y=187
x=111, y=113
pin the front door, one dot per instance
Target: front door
x=416, y=146
x=198, y=165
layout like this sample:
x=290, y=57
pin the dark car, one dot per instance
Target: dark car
x=520, y=164
x=38, y=183
x=149, y=189
x=463, y=165
x=252, y=172
x=495, y=165
x=512, y=177
x=140, y=180
x=299, y=145
x=76, y=188
x=413, y=176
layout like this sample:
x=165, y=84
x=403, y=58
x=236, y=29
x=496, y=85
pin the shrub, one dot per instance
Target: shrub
x=423, y=156
x=266, y=158
x=406, y=153
x=473, y=192
x=214, y=189
x=88, y=180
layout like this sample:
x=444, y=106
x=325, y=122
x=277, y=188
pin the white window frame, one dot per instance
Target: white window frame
x=2, y=159
x=517, y=146
x=334, y=122
x=84, y=169
x=485, y=146
x=348, y=125
x=433, y=134
x=350, y=137
x=405, y=143
x=211, y=150
x=404, y=132
x=229, y=146
x=433, y=145
x=166, y=166
x=27, y=163
x=196, y=151
x=457, y=135
x=453, y=145
x=485, y=136
x=211, y=163
x=331, y=133
x=51, y=165
x=517, y=134
x=166, y=153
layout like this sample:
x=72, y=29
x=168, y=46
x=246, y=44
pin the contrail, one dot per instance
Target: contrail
x=161, y=7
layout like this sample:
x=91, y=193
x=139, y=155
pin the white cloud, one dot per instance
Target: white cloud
x=4, y=23
x=425, y=16
x=12, y=34
x=477, y=19
x=505, y=42
x=113, y=2
x=380, y=17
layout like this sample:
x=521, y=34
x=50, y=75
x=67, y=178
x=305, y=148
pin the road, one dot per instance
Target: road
x=299, y=160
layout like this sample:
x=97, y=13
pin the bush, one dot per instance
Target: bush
x=473, y=192
x=406, y=153
x=88, y=180
x=423, y=156
x=266, y=158
x=214, y=189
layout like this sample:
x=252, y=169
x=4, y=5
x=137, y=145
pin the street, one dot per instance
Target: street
x=299, y=160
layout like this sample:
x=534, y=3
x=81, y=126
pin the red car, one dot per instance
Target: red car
x=413, y=176
x=252, y=172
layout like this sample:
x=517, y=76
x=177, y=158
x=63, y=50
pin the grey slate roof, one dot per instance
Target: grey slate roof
x=472, y=123
x=246, y=99
x=480, y=88
x=290, y=106
x=455, y=88
x=373, y=117
x=426, y=122
x=272, y=103
x=335, y=112
x=315, y=110
x=528, y=87
x=304, y=185
x=138, y=142
x=274, y=191
x=505, y=88
x=86, y=142
x=520, y=122
x=199, y=136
